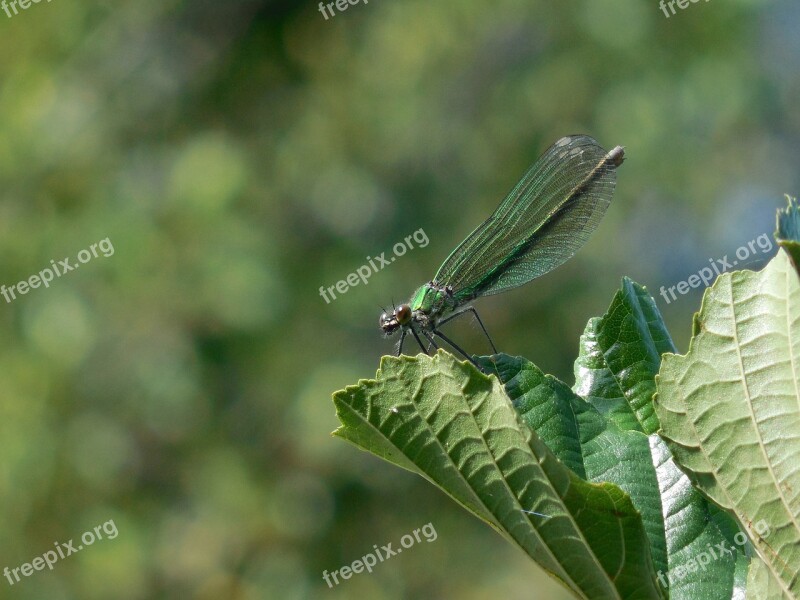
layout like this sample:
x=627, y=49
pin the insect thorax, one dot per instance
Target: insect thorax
x=431, y=301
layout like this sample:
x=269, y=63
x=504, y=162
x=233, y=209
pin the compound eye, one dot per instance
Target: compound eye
x=404, y=314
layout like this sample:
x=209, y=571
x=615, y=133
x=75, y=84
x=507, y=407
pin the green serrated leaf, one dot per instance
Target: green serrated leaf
x=586, y=441
x=677, y=518
x=545, y=404
x=730, y=410
x=683, y=527
x=619, y=357
x=457, y=428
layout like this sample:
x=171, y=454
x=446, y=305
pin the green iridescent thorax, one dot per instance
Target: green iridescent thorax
x=430, y=301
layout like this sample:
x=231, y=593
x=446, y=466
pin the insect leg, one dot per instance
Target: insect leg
x=400, y=345
x=474, y=312
x=431, y=340
x=458, y=349
x=419, y=341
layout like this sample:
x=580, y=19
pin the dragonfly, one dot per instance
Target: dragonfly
x=541, y=223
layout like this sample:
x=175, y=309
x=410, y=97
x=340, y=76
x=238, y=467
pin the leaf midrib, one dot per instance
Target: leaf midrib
x=748, y=398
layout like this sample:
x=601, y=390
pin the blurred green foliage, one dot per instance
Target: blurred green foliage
x=241, y=154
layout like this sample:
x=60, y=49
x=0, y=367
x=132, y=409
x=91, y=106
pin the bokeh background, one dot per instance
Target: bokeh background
x=241, y=154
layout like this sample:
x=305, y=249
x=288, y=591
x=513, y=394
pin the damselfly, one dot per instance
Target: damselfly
x=545, y=219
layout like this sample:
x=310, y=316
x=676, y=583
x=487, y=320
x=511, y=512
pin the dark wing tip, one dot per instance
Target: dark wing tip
x=616, y=156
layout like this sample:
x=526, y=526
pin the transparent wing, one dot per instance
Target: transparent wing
x=545, y=219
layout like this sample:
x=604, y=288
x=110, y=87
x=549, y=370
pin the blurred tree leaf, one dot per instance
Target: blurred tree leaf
x=788, y=231
x=730, y=408
x=456, y=427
